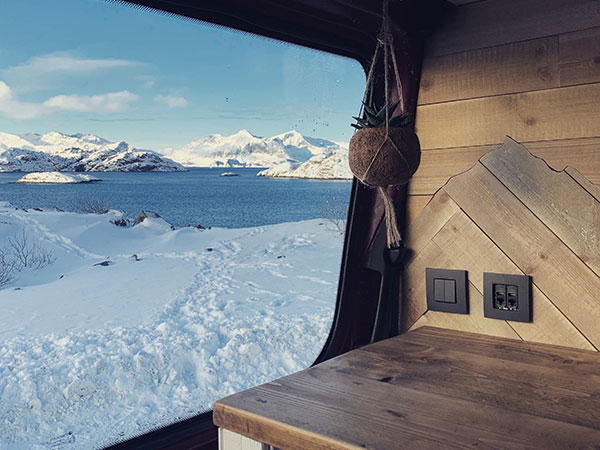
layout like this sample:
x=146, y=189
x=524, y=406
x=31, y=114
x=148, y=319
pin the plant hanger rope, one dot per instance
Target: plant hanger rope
x=385, y=45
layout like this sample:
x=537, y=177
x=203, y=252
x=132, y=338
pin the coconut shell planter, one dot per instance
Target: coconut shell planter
x=380, y=157
x=384, y=150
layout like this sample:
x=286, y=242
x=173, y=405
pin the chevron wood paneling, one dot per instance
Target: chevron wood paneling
x=511, y=213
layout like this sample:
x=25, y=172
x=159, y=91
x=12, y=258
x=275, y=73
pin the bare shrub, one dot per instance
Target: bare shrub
x=7, y=266
x=335, y=213
x=27, y=253
x=92, y=207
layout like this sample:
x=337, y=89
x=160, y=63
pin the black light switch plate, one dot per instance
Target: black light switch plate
x=507, y=297
x=447, y=290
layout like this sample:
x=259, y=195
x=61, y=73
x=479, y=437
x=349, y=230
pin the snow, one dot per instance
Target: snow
x=288, y=155
x=56, y=178
x=331, y=164
x=244, y=149
x=57, y=151
x=175, y=319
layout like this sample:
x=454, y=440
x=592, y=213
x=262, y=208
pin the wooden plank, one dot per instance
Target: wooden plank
x=427, y=359
x=555, y=269
x=492, y=23
x=366, y=413
x=554, y=197
x=414, y=299
x=437, y=166
x=516, y=67
x=470, y=249
x=426, y=225
x=579, y=57
x=562, y=113
x=415, y=205
x=428, y=389
x=593, y=189
x=473, y=322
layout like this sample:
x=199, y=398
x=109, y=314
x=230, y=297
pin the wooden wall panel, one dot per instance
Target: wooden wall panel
x=579, y=57
x=562, y=113
x=519, y=67
x=437, y=166
x=555, y=198
x=495, y=22
x=528, y=242
x=495, y=230
x=529, y=69
x=556, y=61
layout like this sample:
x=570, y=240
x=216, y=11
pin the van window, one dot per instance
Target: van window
x=173, y=199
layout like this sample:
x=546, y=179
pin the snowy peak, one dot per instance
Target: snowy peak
x=56, y=151
x=243, y=149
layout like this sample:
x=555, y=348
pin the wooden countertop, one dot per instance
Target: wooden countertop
x=428, y=389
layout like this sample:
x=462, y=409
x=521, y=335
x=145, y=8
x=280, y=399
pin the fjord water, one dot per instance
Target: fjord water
x=199, y=196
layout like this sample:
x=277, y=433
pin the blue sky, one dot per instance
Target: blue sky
x=88, y=66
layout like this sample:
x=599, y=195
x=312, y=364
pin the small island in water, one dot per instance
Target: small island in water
x=229, y=174
x=56, y=178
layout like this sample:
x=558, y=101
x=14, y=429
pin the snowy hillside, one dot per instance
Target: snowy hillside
x=56, y=151
x=124, y=328
x=246, y=150
x=331, y=164
x=56, y=178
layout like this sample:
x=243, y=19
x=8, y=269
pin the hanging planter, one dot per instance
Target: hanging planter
x=381, y=155
x=384, y=151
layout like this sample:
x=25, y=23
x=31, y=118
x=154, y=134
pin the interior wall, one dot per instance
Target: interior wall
x=525, y=68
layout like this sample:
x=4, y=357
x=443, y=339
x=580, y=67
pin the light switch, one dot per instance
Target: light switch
x=447, y=290
x=444, y=290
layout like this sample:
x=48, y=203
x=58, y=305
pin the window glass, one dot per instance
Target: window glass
x=173, y=199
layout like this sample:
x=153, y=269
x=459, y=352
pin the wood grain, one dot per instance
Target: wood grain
x=429, y=359
x=415, y=204
x=428, y=389
x=593, y=189
x=414, y=299
x=562, y=113
x=439, y=210
x=470, y=249
x=473, y=322
x=516, y=67
x=555, y=269
x=554, y=197
x=492, y=23
x=579, y=55
x=437, y=166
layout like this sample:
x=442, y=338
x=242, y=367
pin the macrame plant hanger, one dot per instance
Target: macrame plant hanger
x=385, y=45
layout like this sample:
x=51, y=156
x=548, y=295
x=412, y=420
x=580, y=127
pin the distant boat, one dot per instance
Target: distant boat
x=229, y=174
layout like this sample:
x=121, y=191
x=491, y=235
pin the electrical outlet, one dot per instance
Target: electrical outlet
x=507, y=297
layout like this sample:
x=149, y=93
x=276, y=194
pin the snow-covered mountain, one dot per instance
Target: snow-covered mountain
x=243, y=149
x=331, y=164
x=56, y=151
x=289, y=154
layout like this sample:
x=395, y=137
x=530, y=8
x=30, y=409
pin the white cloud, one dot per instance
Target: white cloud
x=111, y=102
x=13, y=108
x=149, y=83
x=44, y=71
x=173, y=101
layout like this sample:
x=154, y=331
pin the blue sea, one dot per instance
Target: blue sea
x=200, y=196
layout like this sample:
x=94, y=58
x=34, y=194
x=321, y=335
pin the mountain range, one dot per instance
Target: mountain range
x=61, y=152
x=285, y=155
